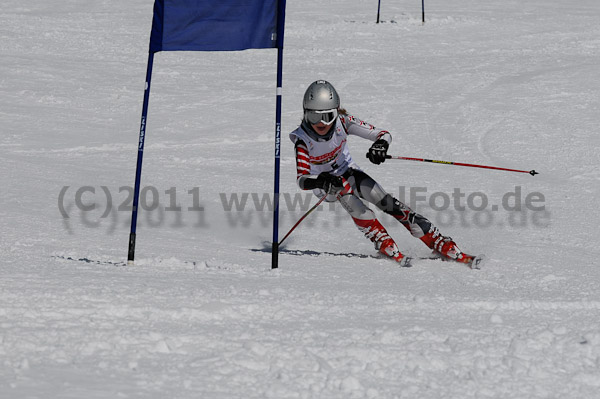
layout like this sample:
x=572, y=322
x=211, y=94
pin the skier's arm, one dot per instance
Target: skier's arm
x=357, y=127
x=303, y=177
x=382, y=138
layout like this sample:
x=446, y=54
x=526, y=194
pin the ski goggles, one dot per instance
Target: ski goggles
x=327, y=117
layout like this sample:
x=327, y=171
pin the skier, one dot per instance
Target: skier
x=324, y=165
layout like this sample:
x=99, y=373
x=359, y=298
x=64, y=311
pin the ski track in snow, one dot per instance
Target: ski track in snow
x=201, y=314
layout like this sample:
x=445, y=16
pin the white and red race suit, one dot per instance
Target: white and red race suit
x=315, y=154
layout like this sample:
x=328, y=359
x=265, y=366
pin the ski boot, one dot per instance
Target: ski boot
x=446, y=248
x=385, y=244
x=389, y=248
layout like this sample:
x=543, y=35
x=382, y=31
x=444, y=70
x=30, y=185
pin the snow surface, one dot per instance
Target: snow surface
x=201, y=315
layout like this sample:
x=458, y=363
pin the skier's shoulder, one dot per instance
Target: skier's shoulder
x=345, y=117
x=299, y=135
x=348, y=120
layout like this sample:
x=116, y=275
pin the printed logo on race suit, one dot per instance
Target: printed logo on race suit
x=351, y=118
x=327, y=157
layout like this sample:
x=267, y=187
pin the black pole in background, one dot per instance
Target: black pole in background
x=423, y=10
x=275, y=242
x=378, y=10
x=280, y=35
x=138, y=171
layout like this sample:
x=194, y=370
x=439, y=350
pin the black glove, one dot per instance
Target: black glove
x=378, y=151
x=329, y=183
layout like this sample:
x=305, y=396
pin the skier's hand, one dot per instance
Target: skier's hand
x=378, y=151
x=329, y=183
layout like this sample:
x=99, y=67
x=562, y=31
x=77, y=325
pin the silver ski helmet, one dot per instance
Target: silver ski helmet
x=321, y=95
x=321, y=102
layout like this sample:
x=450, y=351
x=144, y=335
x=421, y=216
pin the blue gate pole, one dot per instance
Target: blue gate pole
x=140, y=156
x=423, y=10
x=280, y=32
x=378, y=8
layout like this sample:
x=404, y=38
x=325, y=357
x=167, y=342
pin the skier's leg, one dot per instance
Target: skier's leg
x=419, y=226
x=367, y=223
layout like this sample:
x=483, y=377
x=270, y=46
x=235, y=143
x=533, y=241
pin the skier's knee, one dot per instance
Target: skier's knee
x=417, y=224
x=392, y=206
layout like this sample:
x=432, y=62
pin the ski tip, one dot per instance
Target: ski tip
x=406, y=261
x=478, y=262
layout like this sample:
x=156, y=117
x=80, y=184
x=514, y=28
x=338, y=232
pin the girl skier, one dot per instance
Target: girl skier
x=324, y=164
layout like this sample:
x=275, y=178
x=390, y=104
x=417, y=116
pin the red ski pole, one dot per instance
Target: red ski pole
x=302, y=218
x=531, y=172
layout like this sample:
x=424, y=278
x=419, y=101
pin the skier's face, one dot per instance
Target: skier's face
x=321, y=120
x=321, y=128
